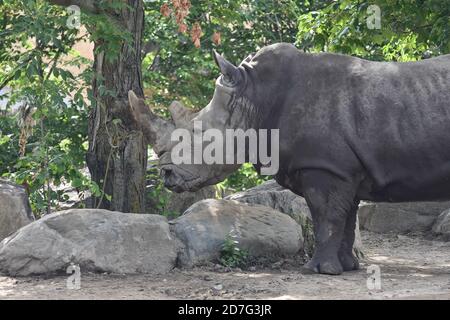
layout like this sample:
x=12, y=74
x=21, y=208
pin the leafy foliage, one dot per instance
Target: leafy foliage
x=45, y=142
x=158, y=196
x=230, y=255
x=178, y=70
x=244, y=179
x=410, y=30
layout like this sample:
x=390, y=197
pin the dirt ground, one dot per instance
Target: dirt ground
x=412, y=267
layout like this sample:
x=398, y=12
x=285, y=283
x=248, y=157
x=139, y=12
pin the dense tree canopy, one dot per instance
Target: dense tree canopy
x=44, y=142
x=408, y=29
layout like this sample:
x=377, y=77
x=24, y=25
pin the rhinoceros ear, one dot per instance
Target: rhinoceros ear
x=229, y=71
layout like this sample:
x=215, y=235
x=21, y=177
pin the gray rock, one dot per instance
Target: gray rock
x=271, y=194
x=15, y=211
x=261, y=231
x=400, y=217
x=442, y=224
x=96, y=240
x=180, y=202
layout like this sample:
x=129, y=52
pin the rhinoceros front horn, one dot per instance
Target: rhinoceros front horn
x=156, y=130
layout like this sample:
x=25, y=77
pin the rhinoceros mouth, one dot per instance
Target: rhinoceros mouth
x=178, y=179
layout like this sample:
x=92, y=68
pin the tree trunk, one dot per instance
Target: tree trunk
x=117, y=156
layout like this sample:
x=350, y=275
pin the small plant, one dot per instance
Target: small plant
x=158, y=197
x=231, y=255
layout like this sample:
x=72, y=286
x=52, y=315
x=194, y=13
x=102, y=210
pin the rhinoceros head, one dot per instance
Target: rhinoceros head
x=222, y=113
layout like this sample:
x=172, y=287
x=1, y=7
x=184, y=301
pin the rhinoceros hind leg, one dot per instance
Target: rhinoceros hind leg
x=349, y=261
x=346, y=257
x=325, y=266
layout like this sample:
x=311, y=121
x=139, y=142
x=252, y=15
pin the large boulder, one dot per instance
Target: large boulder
x=260, y=230
x=15, y=211
x=400, y=217
x=271, y=194
x=442, y=225
x=96, y=240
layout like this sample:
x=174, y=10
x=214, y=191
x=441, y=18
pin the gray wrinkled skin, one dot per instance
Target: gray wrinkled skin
x=350, y=130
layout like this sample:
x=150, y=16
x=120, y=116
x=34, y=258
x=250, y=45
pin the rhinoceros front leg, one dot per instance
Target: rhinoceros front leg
x=331, y=201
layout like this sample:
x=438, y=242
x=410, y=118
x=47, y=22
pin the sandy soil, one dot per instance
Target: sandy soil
x=411, y=268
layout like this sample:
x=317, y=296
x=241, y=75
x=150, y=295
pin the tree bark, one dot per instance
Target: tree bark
x=117, y=155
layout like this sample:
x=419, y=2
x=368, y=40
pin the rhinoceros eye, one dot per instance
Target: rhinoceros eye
x=228, y=82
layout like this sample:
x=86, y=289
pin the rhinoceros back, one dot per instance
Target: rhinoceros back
x=389, y=120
